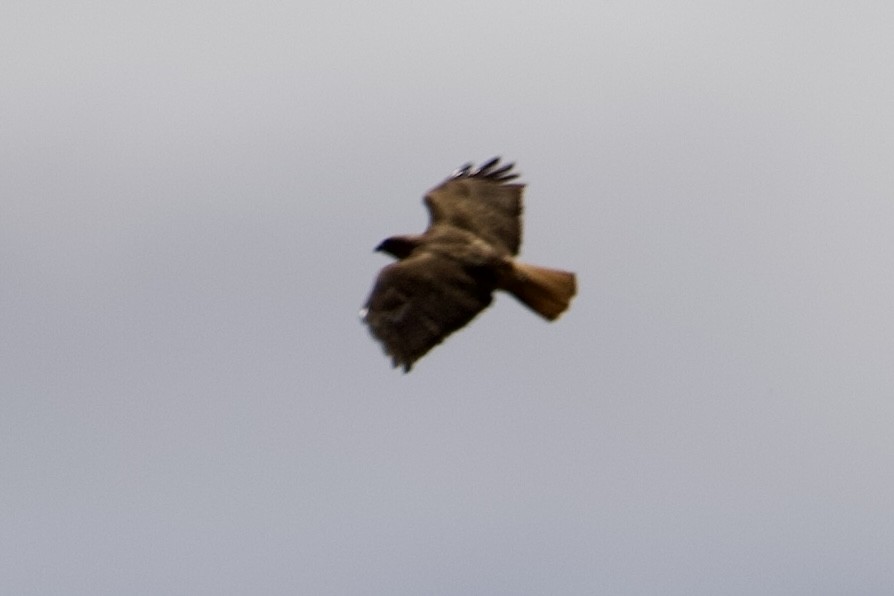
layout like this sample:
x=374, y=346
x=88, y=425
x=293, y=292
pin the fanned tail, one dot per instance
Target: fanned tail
x=547, y=292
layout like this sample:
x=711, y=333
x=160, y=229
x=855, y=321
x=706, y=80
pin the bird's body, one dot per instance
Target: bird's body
x=447, y=275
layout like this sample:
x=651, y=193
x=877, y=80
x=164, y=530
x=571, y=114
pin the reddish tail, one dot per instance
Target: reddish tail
x=547, y=292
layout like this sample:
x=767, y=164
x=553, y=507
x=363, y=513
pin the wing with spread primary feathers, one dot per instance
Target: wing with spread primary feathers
x=417, y=302
x=481, y=201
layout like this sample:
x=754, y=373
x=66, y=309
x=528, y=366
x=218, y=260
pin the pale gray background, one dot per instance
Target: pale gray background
x=190, y=196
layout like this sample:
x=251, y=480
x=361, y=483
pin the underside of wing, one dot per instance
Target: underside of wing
x=417, y=302
x=481, y=201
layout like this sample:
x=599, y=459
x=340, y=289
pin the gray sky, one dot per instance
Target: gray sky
x=190, y=196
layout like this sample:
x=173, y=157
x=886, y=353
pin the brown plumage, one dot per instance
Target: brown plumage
x=447, y=275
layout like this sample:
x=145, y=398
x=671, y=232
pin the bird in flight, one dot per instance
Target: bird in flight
x=447, y=275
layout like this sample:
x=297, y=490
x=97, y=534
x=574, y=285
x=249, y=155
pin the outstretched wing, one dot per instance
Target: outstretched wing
x=417, y=302
x=480, y=201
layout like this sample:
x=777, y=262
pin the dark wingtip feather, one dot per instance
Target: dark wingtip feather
x=463, y=170
x=486, y=168
x=487, y=171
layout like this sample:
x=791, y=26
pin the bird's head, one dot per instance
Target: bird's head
x=399, y=247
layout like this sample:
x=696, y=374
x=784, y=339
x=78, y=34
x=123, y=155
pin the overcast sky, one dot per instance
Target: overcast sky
x=189, y=197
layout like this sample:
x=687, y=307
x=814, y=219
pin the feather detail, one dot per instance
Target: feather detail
x=548, y=292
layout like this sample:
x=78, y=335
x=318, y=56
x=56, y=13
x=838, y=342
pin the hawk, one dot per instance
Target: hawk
x=447, y=275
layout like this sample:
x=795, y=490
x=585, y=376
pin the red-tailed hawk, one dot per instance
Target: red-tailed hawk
x=447, y=275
